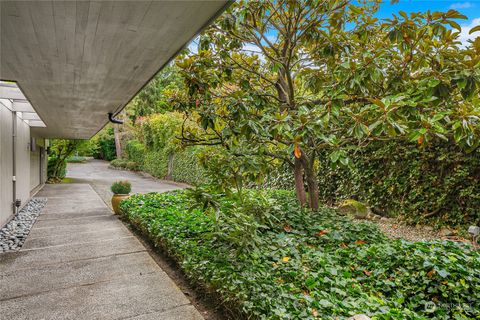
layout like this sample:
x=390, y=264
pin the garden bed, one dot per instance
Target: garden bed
x=270, y=259
x=15, y=232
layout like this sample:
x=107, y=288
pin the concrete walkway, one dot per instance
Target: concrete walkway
x=98, y=174
x=81, y=262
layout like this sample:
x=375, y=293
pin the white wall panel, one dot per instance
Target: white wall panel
x=34, y=168
x=23, y=161
x=44, y=161
x=38, y=164
x=6, y=186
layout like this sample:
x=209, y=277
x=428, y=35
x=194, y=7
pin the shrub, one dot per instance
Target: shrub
x=187, y=168
x=131, y=165
x=135, y=152
x=119, y=163
x=121, y=187
x=160, y=130
x=76, y=159
x=125, y=164
x=269, y=259
x=104, y=142
x=56, y=169
x=60, y=151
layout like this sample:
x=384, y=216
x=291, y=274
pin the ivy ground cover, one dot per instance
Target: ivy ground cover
x=269, y=259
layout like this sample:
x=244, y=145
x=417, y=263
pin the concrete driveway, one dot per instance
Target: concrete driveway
x=98, y=174
x=80, y=262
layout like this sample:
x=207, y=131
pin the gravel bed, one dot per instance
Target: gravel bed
x=14, y=234
x=398, y=230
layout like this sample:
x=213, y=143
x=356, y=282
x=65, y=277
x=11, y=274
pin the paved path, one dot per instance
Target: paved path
x=98, y=174
x=81, y=262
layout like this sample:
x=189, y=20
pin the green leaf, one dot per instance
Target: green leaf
x=334, y=156
x=325, y=303
x=455, y=25
x=474, y=29
x=443, y=273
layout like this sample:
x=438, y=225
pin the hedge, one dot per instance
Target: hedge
x=135, y=152
x=158, y=143
x=186, y=167
x=436, y=185
x=156, y=164
x=440, y=184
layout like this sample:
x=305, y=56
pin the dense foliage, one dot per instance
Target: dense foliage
x=187, y=167
x=156, y=164
x=104, y=144
x=323, y=98
x=329, y=75
x=59, y=151
x=438, y=184
x=156, y=148
x=270, y=259
x=154, y=98
x=135, y=152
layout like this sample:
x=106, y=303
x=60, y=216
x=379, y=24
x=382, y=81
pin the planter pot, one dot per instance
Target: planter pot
x=116, y=201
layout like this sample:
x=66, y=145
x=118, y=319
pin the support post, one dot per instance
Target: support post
x=14, y=161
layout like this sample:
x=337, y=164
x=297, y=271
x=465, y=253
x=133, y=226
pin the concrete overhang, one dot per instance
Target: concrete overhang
x=13, y=99
x=76, y=61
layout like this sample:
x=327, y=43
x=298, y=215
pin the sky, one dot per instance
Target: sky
x=469, y=8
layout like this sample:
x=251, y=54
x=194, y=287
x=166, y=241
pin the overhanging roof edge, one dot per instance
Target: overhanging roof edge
x=203, y=27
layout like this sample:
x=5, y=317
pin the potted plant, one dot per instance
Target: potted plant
x=121, y=191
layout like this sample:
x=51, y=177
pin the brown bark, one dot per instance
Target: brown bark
x=312, y=191
x=170, y=167
x=311, y=179
x=299, y=187
x=118, y=145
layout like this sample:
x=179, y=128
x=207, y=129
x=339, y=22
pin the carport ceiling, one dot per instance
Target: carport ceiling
x=76, y=61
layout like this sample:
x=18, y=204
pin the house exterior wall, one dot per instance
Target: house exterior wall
x=6, y=164
x=38, y=164
x=44, y=161
x=23, y=161
x=34, y=168
x=30, y=166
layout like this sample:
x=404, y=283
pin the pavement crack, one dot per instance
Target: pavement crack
x=78, y=285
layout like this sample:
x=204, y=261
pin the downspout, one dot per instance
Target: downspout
x=14, y=159
x=112, y=119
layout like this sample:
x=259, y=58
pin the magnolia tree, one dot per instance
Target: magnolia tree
x=286, y=79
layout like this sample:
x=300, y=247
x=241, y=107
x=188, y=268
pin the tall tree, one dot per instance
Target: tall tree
x=154, y=98
x=285, y=79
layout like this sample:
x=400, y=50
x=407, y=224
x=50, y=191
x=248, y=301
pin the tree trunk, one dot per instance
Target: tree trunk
x=170, y=167
x=311, y=179
x=312, y=189
x=299, y=186
x=118, y=145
